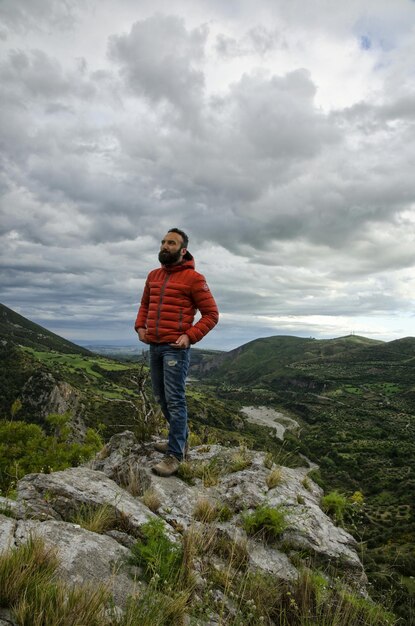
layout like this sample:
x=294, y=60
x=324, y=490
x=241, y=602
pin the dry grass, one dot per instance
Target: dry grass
x=274, y=478
x=132, y=480
x=151, y=499
x=29, y=587
x=240, y=460
x=97, y=519
x=205, y=511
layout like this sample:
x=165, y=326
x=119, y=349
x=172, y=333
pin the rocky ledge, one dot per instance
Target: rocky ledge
x=231, y=480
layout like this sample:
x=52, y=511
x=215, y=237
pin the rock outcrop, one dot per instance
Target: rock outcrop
x=120, y=478
x=43, y=394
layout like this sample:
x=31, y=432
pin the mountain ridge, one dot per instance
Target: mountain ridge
x=19, y=330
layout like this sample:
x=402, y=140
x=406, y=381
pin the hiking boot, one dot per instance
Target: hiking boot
x=162, y=446
x=167, y=467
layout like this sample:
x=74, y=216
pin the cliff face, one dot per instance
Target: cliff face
x=230, y=480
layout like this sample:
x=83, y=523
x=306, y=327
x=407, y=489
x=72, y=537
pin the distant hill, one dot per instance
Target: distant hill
x=18, y=330
x=260, y=359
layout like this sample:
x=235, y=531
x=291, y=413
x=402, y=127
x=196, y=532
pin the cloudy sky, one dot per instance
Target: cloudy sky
x=280, y=135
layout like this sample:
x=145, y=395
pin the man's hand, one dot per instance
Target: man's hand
x=182, y=342
x=142, y=334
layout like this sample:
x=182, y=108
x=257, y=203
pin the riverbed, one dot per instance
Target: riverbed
x=265, y=416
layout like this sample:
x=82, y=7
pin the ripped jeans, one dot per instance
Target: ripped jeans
x=168, y=367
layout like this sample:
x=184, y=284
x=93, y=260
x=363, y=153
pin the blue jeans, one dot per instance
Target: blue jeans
x=168, y=367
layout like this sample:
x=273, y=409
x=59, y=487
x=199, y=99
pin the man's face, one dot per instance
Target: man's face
x=171, y=251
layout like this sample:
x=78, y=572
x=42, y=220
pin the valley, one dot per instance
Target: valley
x=346, y=404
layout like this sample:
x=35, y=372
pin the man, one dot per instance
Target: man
x=165, y=321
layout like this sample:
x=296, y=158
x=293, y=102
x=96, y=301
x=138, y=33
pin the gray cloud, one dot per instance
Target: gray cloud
x=159, y=59
x=38, y=15
x=258, y=40
x=301, y=216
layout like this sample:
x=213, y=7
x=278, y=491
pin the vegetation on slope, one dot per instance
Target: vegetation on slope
x=26, y=448
x=232, y=595
x=109, y=394
x=355, y=400
x=19, y=331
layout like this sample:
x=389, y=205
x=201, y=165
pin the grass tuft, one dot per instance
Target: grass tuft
x=97, y=519
x=335, y=504
x=205, y=511
x=151, y=500
x=29, y=587
x=274, y=478
x=239, y=460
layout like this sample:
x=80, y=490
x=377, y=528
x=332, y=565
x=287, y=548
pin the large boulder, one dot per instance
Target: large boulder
x=84, y=556
x=59, y=496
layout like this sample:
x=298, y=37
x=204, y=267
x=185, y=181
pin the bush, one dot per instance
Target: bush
x=335, y=504
x=25, y=448
x=266, y=522
x=160, y=557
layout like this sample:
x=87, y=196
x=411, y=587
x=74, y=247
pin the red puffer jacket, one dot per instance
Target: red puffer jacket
x=172, y=294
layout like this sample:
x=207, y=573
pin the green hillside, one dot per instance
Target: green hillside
x=42, y=372
x=355, y=400
x=18, y=330
x=271, y=356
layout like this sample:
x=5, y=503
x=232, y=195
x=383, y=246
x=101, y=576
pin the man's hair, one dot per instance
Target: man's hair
x=182, y=235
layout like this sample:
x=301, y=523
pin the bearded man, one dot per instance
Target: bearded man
x=172, y=295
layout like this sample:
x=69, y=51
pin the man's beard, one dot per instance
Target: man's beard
x=169, y=258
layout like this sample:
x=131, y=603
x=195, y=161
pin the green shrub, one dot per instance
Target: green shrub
x=25, y=448
x=335, y=504
x=266, y=522
x=161, y=558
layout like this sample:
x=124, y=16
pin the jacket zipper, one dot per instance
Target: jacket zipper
x=163, y=287
x=181, y=320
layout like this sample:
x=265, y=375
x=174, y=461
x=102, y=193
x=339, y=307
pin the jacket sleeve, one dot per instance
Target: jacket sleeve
x=205, y=302
x=141, y=319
